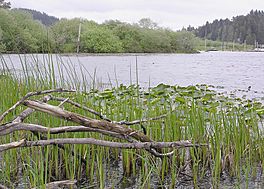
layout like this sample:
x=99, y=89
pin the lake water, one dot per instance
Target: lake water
x=231, y=70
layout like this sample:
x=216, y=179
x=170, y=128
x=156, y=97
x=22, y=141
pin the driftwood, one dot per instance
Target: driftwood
x=136, y=139
x=138, y=145
x=88, y=122
x=12, y=127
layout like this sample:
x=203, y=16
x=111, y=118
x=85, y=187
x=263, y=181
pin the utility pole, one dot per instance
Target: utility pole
x=79, y=36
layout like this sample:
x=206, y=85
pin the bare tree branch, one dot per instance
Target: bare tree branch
x=140, y=121
x=138, y=145
x=88, y=122
x=23, y=115
x=12, y=127
x=103, y=116
x=82, y=107
x=30, y=94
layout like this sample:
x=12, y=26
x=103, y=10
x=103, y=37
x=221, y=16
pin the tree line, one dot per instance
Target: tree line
x=240, y=29
x=20, y=33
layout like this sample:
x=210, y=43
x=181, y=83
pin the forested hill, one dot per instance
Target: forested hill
x=249, y=28
x=43, y=17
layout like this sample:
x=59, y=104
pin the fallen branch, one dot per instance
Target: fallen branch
x=8, y=146
x=27, y=112
x=22, y=116
x=12, y=127
x=88, y=122
x=103, y=117
x=82, y=107
x=92, y=141
x=30, y=94
x=140, y=121
x=37, y=129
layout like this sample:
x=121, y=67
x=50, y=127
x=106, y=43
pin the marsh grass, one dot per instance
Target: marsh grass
x=231, y=127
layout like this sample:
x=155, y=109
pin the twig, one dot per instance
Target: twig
x=140, y=121
x=82, y=107
x=138, y=145
x=23, y=115
x=29, y=95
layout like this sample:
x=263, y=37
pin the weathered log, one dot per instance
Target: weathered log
x=12, y=127
x=92, y=141
x=88, y=122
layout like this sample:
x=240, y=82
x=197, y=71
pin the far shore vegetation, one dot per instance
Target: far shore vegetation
x=20, y=33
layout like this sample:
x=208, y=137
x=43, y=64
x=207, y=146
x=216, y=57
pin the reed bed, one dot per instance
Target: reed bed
x=231, y=127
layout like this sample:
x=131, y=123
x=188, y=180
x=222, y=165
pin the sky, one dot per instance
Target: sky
x=173, y=14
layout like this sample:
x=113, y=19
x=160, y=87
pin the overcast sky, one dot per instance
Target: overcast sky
x=174, y=14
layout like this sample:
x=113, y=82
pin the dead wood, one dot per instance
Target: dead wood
x=92, y=141
x=137, y=139
x=88, y=122
x=30, y=94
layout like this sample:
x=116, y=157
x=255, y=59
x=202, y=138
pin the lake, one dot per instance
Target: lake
x=235, y=71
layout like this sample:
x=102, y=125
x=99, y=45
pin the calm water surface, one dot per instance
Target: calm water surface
x=232, y=70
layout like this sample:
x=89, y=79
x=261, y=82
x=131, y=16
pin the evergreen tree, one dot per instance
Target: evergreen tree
x=249, y=28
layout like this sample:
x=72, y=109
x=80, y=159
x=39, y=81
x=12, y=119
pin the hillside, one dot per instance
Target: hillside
x=43, y=17
x=249, y=29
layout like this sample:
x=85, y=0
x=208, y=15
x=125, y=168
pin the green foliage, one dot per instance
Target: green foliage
x=21, y=34
x=182, y=42
x=2, y=46
x=147, y=37
x=99, y=39
x=42, y=17
x=147, y=23
x=129, y=36
x=154, y=41
x=65, y=34
x=249, y=28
